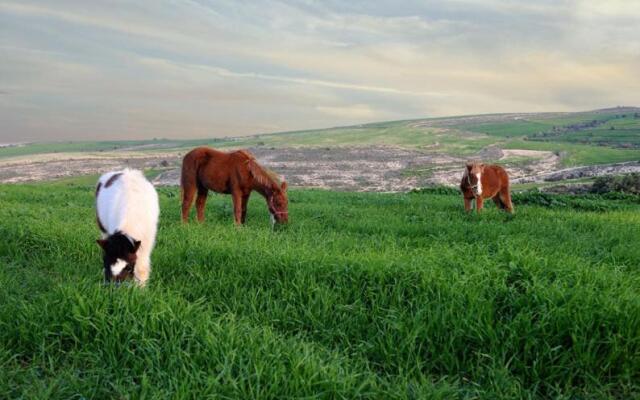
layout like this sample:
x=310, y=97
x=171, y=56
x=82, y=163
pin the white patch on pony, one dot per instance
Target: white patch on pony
x=118, y=267
x=479, y=189
x=273, y=220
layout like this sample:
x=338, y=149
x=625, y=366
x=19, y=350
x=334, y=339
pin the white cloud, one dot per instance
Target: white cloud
x=353, y=112
x=202, y=68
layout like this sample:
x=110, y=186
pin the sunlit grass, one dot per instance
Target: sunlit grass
x=361, y=296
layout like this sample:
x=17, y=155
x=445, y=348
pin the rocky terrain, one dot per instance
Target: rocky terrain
x=372, y=168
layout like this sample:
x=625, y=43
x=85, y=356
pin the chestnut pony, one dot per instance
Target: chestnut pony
x=236, y=173
x=481, y=182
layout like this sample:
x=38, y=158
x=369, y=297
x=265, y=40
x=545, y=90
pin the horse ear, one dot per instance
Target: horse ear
x=102, y=243
x=469, y=165
x=136, y=245
x=283, y=186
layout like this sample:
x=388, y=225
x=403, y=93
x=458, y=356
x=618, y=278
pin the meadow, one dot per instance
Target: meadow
x=362, y=295
x=615, y=132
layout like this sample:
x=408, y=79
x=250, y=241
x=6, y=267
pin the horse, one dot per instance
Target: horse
x=236, y=173
x=127, y=212
x=481, y=182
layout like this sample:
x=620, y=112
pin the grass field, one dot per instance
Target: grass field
x=525, y=126
x=615, y=132
x=361, y=296
x=100, y=146
x=517, y=128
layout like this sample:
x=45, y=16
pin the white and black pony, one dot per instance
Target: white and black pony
x=127, y=213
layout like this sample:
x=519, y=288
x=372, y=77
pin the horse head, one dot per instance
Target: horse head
x=474, y=177
x=119, y=256
x=279, y=203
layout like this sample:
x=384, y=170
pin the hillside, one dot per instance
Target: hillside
x=363, y=295
x=387, y=156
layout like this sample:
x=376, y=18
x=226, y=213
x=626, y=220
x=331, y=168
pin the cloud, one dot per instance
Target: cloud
x=288, y=79
x=353, y=112
x=219, y=67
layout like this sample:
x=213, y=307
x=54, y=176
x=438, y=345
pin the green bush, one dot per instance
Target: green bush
x=441, y=190
x=629, y=183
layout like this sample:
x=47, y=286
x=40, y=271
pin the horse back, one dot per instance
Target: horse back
x=495, y=178
x=216, y=170
x=125, y=198
x=501, y=174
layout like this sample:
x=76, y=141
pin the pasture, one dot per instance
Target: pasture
x=363, y=295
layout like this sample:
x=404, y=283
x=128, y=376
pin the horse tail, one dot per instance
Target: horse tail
x=189, y=173
x=189, y=180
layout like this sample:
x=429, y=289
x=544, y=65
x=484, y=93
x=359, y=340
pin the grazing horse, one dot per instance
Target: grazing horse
x=481, y=182
x=127, y=213
x=236, y=173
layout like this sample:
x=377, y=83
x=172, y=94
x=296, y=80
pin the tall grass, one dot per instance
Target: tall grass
x=361, y=296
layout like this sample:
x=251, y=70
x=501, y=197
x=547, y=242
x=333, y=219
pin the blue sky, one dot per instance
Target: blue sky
x=130, y=70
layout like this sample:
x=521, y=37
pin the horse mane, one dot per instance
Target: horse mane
x=262, y=175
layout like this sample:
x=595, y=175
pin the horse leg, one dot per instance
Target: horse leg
x=237, y=207
x=188, y=192
x=467, y=204
x=479, y=203
x=142, y=269
x=245, y=201
x=201, y=201
x=505, y=197
x=496, y=199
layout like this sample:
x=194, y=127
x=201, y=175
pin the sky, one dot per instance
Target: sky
x=87, y=70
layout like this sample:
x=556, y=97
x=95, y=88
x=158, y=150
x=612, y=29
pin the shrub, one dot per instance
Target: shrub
x=629, y=183
x=445, y=190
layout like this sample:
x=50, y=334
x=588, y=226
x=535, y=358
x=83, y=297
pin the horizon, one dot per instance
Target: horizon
x=78, y=71
x=134, y=139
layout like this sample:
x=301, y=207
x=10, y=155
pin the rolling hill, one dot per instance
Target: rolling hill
x=405, y=153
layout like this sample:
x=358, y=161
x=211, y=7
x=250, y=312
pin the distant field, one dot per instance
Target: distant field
x=511, y=127
x=463, y=139
x=107, y=146
x=616, y=132
x=507, y=129
x=393, y=155
x=362, y=296
x=456, y=136
x=579, y=154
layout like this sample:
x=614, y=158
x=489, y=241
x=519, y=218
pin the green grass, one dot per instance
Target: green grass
x=67, y=147
x=399, y=133
x=575, y=118
x=578, y=154
x=91, y=179
x=101, y=146
x=540, y=185
x=361, y=296
x=617, y=132
x=516, y=128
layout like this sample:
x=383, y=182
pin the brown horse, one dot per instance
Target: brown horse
x=236, y=173
x=481, y=182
